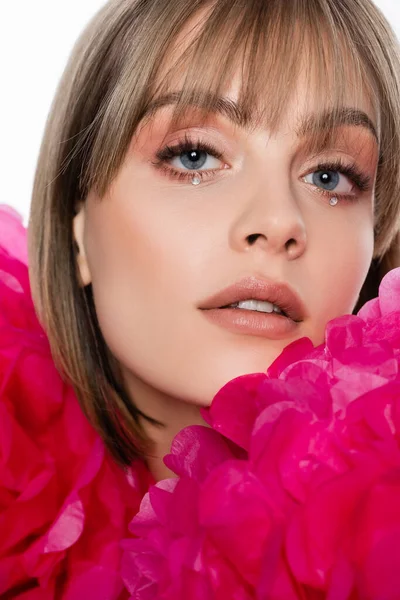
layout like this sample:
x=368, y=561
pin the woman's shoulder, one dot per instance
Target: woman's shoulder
x=64, y=504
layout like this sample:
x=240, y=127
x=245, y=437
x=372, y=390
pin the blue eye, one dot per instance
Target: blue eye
x=336, y=177
x=193, y=159
x=329, y=180
x=192, y=155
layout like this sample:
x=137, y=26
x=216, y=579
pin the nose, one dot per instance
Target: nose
x=271, y=221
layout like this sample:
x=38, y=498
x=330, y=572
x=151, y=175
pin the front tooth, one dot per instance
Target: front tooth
x=258, y=305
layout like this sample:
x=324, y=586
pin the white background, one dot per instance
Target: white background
x=36, y=37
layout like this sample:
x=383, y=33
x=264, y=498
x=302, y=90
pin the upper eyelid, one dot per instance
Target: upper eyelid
x=186, y=143
x=222, y=141
x=197, y=139
x=189, y=140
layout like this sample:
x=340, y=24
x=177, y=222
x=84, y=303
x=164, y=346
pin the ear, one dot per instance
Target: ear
x=78, y=225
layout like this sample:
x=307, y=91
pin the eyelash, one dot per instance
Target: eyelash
x=357, y=177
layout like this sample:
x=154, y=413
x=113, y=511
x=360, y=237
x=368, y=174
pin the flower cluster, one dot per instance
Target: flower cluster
x=294, y=490
x=64, y=504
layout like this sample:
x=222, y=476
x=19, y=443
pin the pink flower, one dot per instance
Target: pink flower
x=388, y=300
x=64, y=504
x=294, y=492
x=13, y=233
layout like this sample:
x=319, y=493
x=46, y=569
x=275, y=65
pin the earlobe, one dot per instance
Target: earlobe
x=81, y=259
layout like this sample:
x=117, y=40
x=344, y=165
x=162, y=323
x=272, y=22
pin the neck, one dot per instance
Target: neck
x=173, y=414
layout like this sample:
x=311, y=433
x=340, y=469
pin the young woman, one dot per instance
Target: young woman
x=216, y=180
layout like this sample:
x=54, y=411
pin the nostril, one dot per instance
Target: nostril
x=253, y=237
x=290, y=244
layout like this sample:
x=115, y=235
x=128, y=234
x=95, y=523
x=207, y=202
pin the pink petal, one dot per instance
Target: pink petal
x=196, y=450
x=98, y=582
x=13, y=233
x=389, y=292
x=68, y=526
x=235, y=407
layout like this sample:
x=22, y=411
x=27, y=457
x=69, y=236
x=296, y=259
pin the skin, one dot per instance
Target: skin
x=155, y=248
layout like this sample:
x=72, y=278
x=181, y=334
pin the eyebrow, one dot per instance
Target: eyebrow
x=343, y=116
x=231, y=110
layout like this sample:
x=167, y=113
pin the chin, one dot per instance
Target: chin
x=208, y=388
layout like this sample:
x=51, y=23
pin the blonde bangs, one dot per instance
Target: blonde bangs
x=271, y=46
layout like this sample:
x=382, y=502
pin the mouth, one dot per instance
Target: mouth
x=257, y=307
x=261, y=296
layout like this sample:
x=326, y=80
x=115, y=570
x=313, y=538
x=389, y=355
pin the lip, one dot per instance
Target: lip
x=256, y=288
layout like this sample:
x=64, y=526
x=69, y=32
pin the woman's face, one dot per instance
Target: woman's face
x=158, y=247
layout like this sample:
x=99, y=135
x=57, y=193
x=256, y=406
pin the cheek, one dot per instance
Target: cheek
x=146, y=265
x=148, y=276
x=342, y=263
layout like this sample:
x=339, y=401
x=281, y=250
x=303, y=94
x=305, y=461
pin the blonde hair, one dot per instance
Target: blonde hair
x=118, y=74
